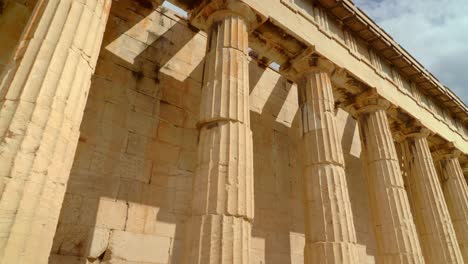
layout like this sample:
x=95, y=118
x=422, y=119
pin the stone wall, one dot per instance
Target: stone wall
x=129, y=191
x=14, y=15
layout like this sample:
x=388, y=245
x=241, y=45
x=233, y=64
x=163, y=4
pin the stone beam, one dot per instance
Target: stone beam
x=293, y=32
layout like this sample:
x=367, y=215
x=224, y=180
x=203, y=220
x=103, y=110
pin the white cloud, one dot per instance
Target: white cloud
x=435, y=32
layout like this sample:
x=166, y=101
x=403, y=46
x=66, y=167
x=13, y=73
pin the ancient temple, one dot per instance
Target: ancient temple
x=223, y=132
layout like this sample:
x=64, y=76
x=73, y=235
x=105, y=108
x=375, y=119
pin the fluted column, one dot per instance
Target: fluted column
x=219, y=228
x=42, y=96
x=396, y=237
x=329, y=227
x=455, y=191
x=433, y=222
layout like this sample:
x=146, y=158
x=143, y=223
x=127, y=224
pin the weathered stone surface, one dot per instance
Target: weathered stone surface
x=330, y=233
x=132, y=247
x=222, y=202
x=44, y=91
x=431, y=215
x=456, y=194
x=14, y=16
x=396, y=237
x=134, y=167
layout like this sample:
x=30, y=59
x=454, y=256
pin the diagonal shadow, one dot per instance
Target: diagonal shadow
x=357, y=185
x=137, y=152
x=129, y=174
x=278, y=223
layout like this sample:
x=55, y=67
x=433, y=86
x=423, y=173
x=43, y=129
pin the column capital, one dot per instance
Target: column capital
x=370, y=101
x=413, y=129
x=210, y=12
x=446, y=151
x=307, y=61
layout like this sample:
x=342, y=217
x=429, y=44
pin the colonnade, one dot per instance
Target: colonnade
x=43, y=94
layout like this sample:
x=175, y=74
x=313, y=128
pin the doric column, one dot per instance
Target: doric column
x=42, y=97
x=456, y=194
x=397, y=240
x=431, y=214
x=435, y=229
x=219, y=229
x=329, y=226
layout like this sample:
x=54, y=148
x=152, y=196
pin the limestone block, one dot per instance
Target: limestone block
x=171, y=114
x=94, y=186
x=182, y=202
x=80, y=240
x=172, y=93
x=164, y=153
x=165, y=228
x=142, y=124
x=99, y=241
x=134, y=247
x=71, y=208
x=190, y=138
x=61, y=259
x=109, y=214
x=131, y=190
x=191, y=102
x=170, y=133
x=187, y=160
x=144, y=104
x=136, y=144
x=141, y=219
x=134, y=167
x=102, y=163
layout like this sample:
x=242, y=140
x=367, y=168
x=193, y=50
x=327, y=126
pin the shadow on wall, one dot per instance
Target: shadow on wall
x=129, y=191
x=277, y=235
x=357, y=186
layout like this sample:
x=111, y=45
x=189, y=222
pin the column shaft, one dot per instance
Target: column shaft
x=222, y=209
x=329, y=226
x=435, y=229
x=42, y=97
x=397, y=240
x=456, y=195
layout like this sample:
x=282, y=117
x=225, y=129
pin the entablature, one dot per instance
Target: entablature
x=365, y=56
x=332, y=39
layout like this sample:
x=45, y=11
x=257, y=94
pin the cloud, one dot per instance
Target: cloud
x=435, y=32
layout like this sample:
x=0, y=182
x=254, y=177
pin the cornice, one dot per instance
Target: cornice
x=346, y=12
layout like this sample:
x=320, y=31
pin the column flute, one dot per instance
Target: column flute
x=219, y=228
x=43, y=93
x=329, y=227
x=397, y=240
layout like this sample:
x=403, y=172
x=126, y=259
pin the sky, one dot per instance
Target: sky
x=435, y=32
